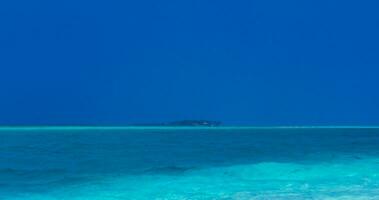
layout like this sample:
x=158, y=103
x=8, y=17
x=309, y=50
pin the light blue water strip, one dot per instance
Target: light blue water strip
x=84, y=128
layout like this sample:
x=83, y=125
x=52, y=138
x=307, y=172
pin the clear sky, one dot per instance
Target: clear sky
x=266, y=62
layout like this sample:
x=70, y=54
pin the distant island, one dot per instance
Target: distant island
x=205, y=123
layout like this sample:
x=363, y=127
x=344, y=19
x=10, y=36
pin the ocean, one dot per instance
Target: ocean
x=236, y=163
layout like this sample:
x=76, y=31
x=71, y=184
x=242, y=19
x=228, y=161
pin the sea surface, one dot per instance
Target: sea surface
x=193, y=164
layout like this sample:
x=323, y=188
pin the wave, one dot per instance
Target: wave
x=168, y=170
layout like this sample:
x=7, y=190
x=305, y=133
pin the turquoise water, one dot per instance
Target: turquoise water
x=287, y=163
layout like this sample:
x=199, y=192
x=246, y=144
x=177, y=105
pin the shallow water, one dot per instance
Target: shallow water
x=190, y=164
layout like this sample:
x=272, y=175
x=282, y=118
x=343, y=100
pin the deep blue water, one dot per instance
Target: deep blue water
x=190, y=164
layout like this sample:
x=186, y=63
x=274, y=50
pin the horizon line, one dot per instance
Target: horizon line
x=87, y=127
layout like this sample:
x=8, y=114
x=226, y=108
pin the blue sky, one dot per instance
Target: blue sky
x=252, y=62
